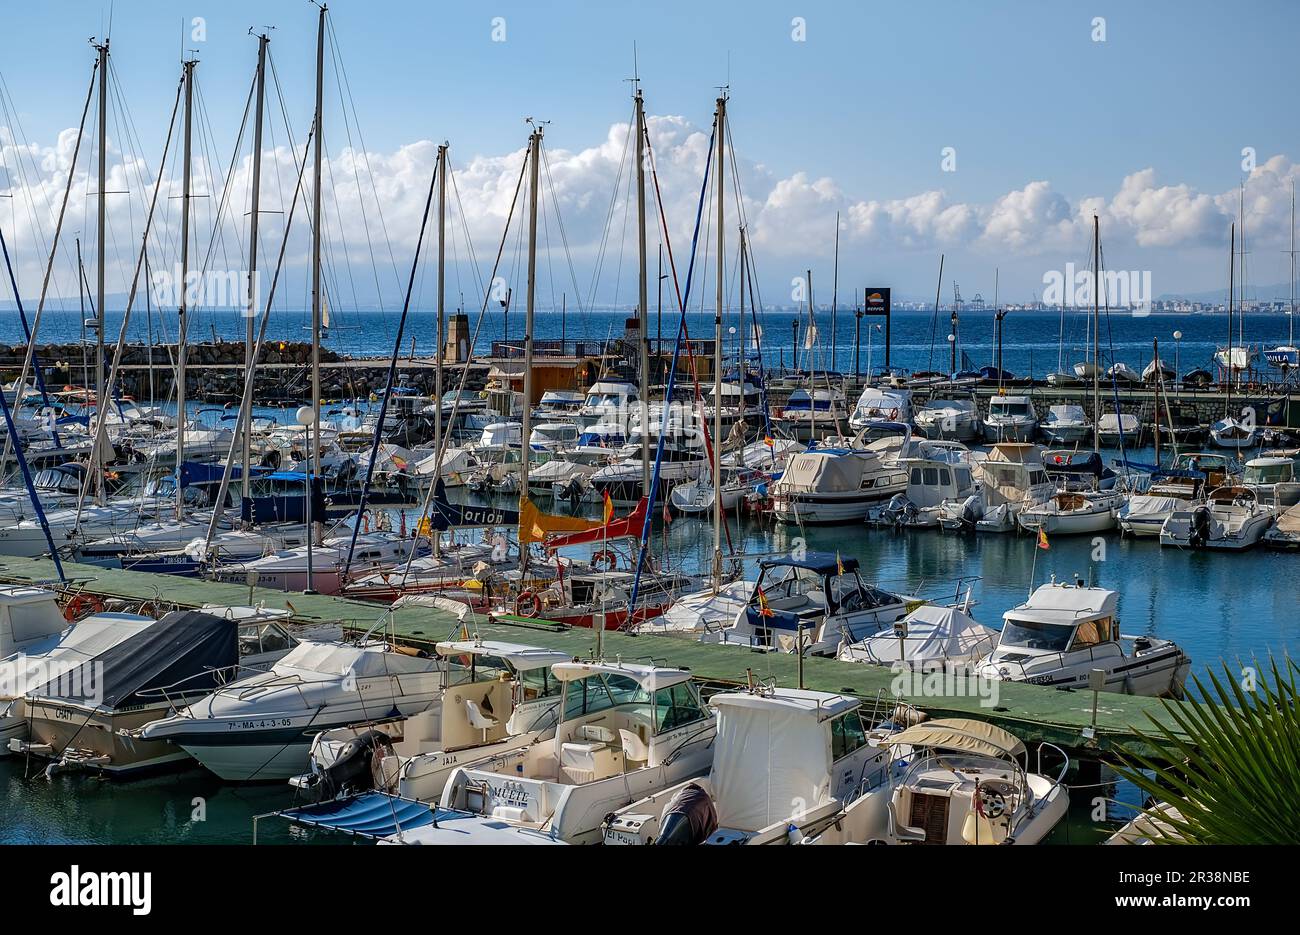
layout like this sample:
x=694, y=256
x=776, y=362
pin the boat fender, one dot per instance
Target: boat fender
x=82, y=605
x=689, y=817
x=528, y=604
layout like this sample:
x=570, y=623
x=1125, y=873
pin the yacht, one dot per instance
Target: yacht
x=1010, y=419
x=625, y=731
x=553, y=436
x=1179, y=486
x=498, y=697
x=608, y=401
x=1011, y=478
x=259, y=726
x=1231, y=518
x=683, y=460
x=956, y=781
x=929, y=638
x=834, y=485
x=818, y=600
x=704, y=610
x=785, y=762
x=809, y=414
x=1066, y=425
x=1072, y=513
x=1119, y=430
x=286, y=569
x=930, y=483
x=881, y=405
x=952, y=419
x=1065, y=631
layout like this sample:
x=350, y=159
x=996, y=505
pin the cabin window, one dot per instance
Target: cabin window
x=1032, y=634
x=1091, y=633
x=916, y=476
x=963, y=477
x=847, y=735
x=585, y=696
x=945, y=476
x=537, y=683
x=625, y=690
x=676, y=706
x=931, y=476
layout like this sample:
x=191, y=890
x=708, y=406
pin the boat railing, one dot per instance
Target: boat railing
x=1065, y=761
x=179, y=698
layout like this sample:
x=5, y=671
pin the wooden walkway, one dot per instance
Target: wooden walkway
x=1031, y=712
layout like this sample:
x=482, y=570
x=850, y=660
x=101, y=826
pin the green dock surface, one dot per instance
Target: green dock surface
x=1031, y=712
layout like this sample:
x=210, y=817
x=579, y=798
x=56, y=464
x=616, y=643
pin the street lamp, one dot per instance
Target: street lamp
x=306, y=417
x=1178, y=373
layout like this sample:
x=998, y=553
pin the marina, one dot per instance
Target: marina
x=410, y=496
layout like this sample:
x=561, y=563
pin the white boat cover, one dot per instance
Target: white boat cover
x=768, y=761
x=314, y=660
x=933, y=633
x=1153, y=505
x=825, y=472
x=703, y=610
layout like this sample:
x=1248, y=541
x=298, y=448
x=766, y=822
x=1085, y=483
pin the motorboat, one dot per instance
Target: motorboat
x=1078, y=469
x=286, y=569
x=929, y=638
x=683, y=459
x=1115, y=430
x=38, y=644
x=1011, y=478
x=956, y=781
x=498, y=697
x=140, y=679
x=1123, y=373
x=1072, y=513
x=694, y=497
x=834, y=485
x=1010, y=419
x=955, y=419
x=1066, y=631
x=878, y=404
x=930, y=483
x=626, y=731
x=1066, y=425
x=1231, y=518
x=1158, y=370
x=807, y=414
x=1284, y=535
x=815, y=601
x=1273, y=478
x=1180, y=486
x=705, y=610
x=785, y=762
x=608, y=401
x=260, y=726
x=553, y=436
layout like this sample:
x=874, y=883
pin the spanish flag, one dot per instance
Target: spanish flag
x=764, y=608
x=1042, y=539
x=769, y=441
x=839, y=563
x=609, y=507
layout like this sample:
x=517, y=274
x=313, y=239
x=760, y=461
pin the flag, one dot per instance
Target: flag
x=398, y=461
x=839, y=563
x=609, y=507
x=769, y=441
x=1042, y=539
x=764, y=608
x=668, y=516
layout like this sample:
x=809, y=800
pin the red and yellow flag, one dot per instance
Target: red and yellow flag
x=764, y=608
x=1042, y=539
x=609, y=507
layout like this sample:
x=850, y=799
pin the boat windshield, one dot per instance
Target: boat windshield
x=1005, y=408
x=599, y=692
x=677, y=706
x=1034, y=634
x=1268, y=473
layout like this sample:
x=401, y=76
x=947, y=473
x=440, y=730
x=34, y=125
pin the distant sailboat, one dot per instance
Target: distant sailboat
x=1286, y=357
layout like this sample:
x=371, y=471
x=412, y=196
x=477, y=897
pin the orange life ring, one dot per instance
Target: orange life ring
x=528, y=604
x=82, y=605
x=604, y=560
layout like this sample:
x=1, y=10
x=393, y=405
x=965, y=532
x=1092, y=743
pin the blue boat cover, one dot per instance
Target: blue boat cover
x=371, y=815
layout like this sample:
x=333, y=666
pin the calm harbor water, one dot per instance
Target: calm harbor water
x=1233, y=608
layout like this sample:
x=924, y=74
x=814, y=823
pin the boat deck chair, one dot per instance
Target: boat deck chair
x=478, y=720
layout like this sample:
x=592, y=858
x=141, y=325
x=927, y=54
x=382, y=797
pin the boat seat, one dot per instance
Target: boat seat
x=635, y=749
x=478, y=720
x=587, y=762
x=596, y=733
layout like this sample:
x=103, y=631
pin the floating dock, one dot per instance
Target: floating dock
x=1031, y=712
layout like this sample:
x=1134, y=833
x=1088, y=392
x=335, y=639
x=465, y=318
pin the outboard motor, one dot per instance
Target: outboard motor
x=355, y=768
x=689, y=818
x=1200, y=531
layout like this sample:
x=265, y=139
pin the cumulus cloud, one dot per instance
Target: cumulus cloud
x=375, y=199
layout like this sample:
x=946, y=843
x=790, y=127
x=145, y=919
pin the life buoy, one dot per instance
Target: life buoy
x=528, y=604
x=82, y=605
x=604, y=560
x=893, y=415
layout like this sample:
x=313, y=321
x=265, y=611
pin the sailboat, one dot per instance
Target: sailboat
x=1231, y=431
x=1286, y=357
x=1237, y=358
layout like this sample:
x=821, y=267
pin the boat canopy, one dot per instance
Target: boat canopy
x=824, y=563
x=1065, y=604
x=960, y=733
x=651, y=678
x=371, y=660
x=772, y=750
x=933, y=632
x=522, y=658
x=827, y=470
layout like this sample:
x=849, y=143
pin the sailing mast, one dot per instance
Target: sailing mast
x=835, y=289
x=442, y=313
x=251, y=312
x=534, y=152
x=101, y=239
x=317, y=222
x=184, y=303
x=717, y=351
x=1096, y=331
x=642, y=301
x=1232, y=259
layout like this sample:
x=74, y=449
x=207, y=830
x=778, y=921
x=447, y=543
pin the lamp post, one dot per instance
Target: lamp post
x=1178, y=336
x=305, y=416
x=952, y=343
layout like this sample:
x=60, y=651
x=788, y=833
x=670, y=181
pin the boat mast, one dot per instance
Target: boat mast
x=442, y=314
x=1232, y=258
x=835, y=289
x=1096, y=331
x=534, y=148
x=101, y=406
x=1291, y=328
x=642, y=292
x=313, y=467
x=184, y=303
x=717, y=350
x=251, y=312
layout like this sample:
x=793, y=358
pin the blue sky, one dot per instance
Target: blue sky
x=868, y=102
